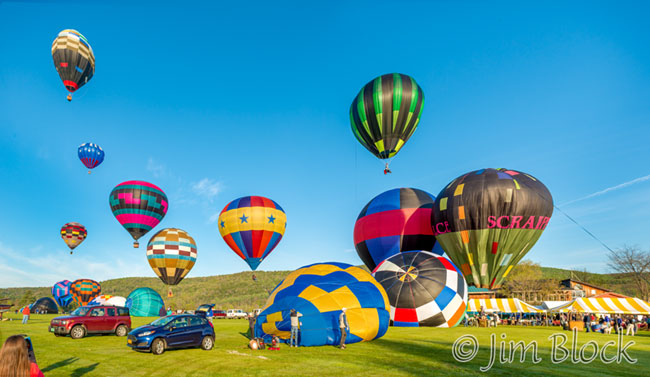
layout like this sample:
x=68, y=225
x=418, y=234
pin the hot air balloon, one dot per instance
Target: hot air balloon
x=85, y=290
x=252, y=226
x=73, y=234
x=385, y=114
x=139, y=206
x=61, y=292
x=319, y=292
x=488, y=219
x=423, y=289
x=73, y=59
x=144, y=302
x=91, y=155
x=171, y=254
x=108, y=300
x=395, y=221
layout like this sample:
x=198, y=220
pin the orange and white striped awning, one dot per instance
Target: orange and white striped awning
x=605, y=305
x=502, y=305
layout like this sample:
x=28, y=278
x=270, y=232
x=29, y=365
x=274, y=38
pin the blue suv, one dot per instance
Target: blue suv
x=173, y=331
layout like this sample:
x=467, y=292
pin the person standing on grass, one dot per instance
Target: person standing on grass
x=344, y=326
x=295, y=328
x=17, y=359
x=585, y=319
x=251, y=324
x=25, y=314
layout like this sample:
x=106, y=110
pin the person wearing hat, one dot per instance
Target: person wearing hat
x=344, y=326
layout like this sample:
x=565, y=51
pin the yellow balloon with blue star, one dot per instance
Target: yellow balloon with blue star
x=252, y=226
x=319, y=292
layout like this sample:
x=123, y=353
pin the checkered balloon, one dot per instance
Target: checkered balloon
x=423, y=289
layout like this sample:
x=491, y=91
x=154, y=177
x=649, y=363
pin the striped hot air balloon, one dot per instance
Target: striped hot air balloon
x=73, y=234
x=139, y=206
x=171, y=254
x=385, y=114
x=395, y=221
x=252, y=226
x=73, y=59
x=85, y=290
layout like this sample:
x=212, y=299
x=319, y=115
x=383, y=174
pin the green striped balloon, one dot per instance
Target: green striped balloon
x=386, y=112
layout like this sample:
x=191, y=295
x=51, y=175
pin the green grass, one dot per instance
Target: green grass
x=402, y=352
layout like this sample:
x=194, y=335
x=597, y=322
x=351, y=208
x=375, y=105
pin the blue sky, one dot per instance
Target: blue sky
x=216, y=101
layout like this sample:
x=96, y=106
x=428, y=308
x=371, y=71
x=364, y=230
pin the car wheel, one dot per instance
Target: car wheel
x=77, y=332
x=207, y=343
x=157, y=346
x=121, y=330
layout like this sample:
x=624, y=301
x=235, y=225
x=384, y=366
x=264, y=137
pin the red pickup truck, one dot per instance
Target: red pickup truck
x=93, y=320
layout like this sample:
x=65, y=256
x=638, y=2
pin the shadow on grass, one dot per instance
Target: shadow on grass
x=59, y=364
x=81, y=371
x=246, y=334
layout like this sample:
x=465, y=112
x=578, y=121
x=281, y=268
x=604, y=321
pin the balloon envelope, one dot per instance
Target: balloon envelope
x=395, y=221
x=252, y=226
x=73, y=234
x=386, y=112
x=73, y=59
x=108, y=300
x=488, y=219
x=171, y=253
x=139, y=206
x=91, y=155
x=319, y=292
x=84, y=290
x=144, y=302
x=44, y=305
x=423, y=289
x=61, y=292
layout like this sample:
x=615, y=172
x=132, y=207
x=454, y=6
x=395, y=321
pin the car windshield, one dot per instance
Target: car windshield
x=161, y=321
x=80, y=312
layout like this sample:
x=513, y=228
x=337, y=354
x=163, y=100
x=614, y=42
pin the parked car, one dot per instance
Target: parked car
x=236, y=313
x=173, y=331
x=86, y=320
x=219, y=314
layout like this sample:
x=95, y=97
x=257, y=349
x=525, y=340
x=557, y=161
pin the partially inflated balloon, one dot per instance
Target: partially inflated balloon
x=386, y=112
x=395, y=221
x=252, y=226
x=73, y=59
x=139, y=206
x=73, y=234
x=488, y=219
x=171, y=254
x=85, y=290
x=91, y=155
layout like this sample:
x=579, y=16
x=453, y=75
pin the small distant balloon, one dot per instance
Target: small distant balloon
x=91, y=155
x=73, y=235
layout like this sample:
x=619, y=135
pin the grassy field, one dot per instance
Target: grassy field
x=402, y=352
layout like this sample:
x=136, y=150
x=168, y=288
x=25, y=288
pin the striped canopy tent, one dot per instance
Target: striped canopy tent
x=627, y=305
x=501, y=305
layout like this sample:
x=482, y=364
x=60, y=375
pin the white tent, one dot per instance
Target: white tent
x=501, y=305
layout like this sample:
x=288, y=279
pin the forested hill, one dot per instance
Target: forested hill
x=240, y=291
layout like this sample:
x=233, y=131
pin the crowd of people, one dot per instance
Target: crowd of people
x=603, y=323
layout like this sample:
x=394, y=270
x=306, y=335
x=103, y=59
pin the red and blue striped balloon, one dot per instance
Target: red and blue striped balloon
x=91, y=155
x=139, y=206
x=395, y=221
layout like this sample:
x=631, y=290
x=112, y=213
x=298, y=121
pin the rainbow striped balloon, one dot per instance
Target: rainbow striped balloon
x=139, y=206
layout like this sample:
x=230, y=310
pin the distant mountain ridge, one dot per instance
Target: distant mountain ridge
x=241, y=292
